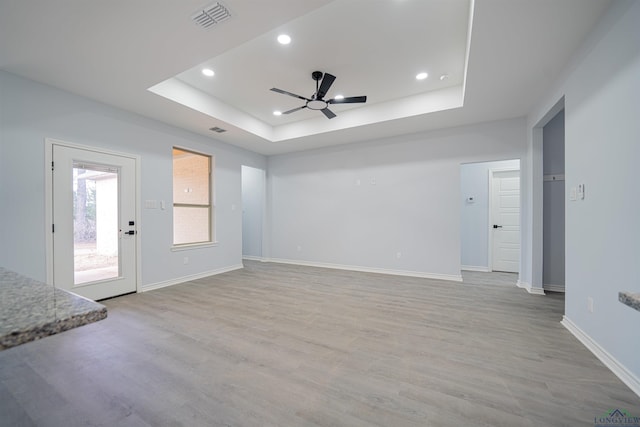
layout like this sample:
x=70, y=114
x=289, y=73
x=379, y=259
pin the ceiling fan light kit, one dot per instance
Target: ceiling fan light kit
x=317, y=101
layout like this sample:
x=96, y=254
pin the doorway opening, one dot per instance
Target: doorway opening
x=553, y=196
x=490, y=220
x=253, y=212
x=544, y=175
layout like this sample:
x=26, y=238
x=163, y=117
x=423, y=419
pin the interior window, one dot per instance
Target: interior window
x=192, y=209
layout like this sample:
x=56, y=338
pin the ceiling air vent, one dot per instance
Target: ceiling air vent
x=211, y=15
x=217, y=129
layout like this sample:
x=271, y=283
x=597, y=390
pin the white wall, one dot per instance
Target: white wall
x=32, y=112
x=359, y=205
x=253, y=202
x=602, y=105
x=474, y=217
x=553, y=259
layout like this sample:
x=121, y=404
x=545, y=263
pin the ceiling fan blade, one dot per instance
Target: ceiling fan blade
x=327, y=81
x=284, y=92
x=294, y=110
x=349, y=100
x=328, y=113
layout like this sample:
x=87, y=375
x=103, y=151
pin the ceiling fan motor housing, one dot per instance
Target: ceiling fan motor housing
x=317, y=104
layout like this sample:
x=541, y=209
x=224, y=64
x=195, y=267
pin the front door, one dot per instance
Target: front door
x=505, y=218
x=94, y=222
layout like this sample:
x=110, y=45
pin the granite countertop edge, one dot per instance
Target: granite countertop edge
x=630, y=298
x=24, y=336
x=31, y=310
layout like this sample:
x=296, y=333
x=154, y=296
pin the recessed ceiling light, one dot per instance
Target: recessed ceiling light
x=208, y=72
x=444, y=77
x=284, y=39
x=338, y=97
x=277, y=113
x=422, y=76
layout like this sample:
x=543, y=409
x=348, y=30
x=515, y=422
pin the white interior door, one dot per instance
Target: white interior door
x=94, y=222
x=505, y=220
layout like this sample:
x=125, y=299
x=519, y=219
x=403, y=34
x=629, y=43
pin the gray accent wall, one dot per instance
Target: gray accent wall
x=553, y=199
x=391, y=204
x=31, y=112
x=602, y=104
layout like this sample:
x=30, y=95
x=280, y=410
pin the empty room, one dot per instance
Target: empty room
x=330, y=212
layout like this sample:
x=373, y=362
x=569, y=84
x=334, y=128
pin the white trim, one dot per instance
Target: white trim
x=254, y=258
x=468, y=47
x=553, y=288
x=190, y=246
x=48, y=211
x=607, y=359
x=527, y=287
x=183, y=279
x=139, y=226
x=424, y=275
x=475, y=268
x=48, y=196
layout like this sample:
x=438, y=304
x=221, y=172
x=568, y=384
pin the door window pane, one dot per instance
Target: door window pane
x=95, y=223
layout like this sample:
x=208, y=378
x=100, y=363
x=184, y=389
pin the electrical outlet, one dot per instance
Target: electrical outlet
x=590, y=304
x=299, y=248
x=398, y=255
x=185, y=260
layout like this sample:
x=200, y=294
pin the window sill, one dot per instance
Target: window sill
x=193, y=246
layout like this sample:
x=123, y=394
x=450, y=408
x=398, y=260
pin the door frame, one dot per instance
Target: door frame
x=492, y=172
x=48, y=209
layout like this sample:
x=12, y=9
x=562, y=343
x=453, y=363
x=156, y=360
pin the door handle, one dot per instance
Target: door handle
x=130, y=232
x=497, y=226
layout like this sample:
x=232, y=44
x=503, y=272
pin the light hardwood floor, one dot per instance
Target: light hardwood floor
x=298, y=346
x=490, y=278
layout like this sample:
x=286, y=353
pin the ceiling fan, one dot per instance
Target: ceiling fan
x=317, y=101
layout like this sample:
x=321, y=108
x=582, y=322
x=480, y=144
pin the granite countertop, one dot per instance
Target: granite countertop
x=30, y=310
x=631, y=299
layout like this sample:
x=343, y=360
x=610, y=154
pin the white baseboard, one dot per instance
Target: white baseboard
x=437, y=276
x=527, y=287
x=475, y=268
x=553, y=288
x=254, y=258
x=608, y=360
x=183, y=279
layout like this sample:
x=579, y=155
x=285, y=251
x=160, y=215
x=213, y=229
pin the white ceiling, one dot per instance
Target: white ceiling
x=344, y=39
x=115, y=51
